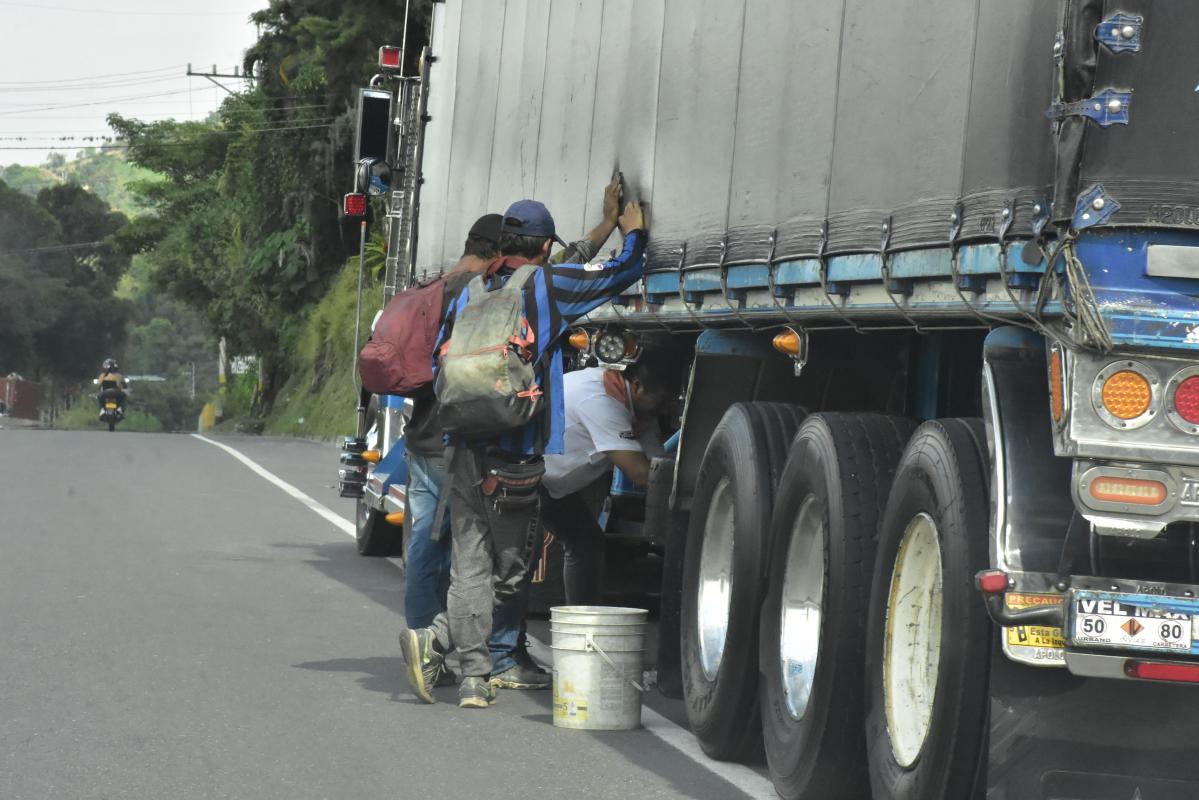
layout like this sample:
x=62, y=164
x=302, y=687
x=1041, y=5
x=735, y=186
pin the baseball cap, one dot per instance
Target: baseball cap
x=530, y=218
x=487, y=228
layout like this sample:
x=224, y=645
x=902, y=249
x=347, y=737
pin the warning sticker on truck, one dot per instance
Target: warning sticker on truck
x=1034, y=644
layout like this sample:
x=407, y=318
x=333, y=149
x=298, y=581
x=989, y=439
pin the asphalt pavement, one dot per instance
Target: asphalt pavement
x=174, y=625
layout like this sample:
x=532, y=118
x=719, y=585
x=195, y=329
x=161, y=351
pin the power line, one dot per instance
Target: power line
x=113, y=12
x=171, y=69
x=286, y=125
x=176, y=143
x=84, y=86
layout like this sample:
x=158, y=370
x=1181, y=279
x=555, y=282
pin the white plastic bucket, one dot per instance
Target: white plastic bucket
x=599, y=652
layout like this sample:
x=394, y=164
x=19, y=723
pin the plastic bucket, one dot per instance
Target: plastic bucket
x=599, y=652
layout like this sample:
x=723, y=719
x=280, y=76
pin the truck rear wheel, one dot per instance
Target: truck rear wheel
x=928, y=635
x=374, y=534
x=823, y=534
x=724, y=571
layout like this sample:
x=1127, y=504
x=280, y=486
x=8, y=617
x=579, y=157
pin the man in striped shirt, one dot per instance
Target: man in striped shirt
x=492, y=545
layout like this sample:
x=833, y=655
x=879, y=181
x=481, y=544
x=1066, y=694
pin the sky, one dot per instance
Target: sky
x=66, y=64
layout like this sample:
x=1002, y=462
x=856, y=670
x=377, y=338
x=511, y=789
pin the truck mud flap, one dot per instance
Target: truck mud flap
x=1055, y=736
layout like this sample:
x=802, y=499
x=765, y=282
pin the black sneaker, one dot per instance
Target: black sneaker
x=425, y=662
x=475, y=692
x=522, y=676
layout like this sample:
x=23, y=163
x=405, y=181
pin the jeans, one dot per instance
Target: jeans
x=489, y=571
x=428, y=568
x=427, y=577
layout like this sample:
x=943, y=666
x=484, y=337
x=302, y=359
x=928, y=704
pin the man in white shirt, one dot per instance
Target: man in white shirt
x=611, y=419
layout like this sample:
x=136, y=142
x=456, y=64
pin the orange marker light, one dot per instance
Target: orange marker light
x=1128, y=490
x=1057, y=395
x=372, y=456
x=580, y=340
x=788, y=343
x=395, y=518
x=1126, y=394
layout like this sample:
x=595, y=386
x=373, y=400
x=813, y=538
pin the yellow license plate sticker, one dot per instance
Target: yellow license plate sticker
x=1033, y=635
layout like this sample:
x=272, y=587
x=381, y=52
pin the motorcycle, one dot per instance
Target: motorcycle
x=112, y=408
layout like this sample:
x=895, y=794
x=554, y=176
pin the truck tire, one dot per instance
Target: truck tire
x=813, y=632
x=928, y=635
x=724, y=573
x=374, y=534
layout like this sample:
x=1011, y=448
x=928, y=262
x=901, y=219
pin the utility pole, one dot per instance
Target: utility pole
x=237, y=74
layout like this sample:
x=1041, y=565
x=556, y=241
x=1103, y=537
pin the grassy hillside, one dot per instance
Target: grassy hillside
x=319, y=399
x=107, y=174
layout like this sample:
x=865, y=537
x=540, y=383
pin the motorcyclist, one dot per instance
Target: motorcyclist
x=112, y=385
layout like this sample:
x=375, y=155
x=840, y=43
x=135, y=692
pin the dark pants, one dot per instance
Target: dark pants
x=489, y=563
x=427, y=569
x=573, y=523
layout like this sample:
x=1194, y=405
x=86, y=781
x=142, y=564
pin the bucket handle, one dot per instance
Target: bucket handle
x=590, y=645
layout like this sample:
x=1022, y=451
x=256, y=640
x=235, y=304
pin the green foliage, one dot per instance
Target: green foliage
x=84, y=416
x=58, y=270
x=319, y=399
x=106, y=174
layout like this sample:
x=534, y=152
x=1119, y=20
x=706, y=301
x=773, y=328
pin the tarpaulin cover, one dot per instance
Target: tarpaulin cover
x=747, y=124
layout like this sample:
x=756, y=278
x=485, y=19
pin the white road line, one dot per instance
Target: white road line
x=681, y=739
x=328, y=514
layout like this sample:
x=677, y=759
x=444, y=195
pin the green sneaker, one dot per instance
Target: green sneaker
x=425, y=662
x=522, y=676
x=476, y=692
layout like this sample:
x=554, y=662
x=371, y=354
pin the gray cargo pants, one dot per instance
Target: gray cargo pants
x=489, y=562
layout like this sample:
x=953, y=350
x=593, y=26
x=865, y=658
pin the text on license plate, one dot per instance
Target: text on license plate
x=1134, y=621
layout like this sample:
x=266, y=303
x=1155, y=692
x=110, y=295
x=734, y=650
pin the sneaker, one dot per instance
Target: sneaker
x=425, y=663
x=522, y=676
x=446, y=678
x=476, y=692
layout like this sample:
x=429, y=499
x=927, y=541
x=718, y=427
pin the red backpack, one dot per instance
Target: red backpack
x=398, y=358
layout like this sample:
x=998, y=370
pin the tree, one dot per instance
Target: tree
x=58, y=315
x=247, y=228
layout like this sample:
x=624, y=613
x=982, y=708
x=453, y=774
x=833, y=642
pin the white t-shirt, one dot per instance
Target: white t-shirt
x=596, y=424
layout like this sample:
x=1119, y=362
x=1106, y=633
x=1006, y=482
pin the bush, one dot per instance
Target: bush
x=85, y=416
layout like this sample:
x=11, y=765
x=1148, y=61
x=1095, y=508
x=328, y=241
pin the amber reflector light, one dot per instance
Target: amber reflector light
x=1126, y=394
x=1057, y=402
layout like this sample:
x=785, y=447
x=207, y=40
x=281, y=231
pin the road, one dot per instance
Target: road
x=173, y=625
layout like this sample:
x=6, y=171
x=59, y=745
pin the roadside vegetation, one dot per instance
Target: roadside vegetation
x=228, y=228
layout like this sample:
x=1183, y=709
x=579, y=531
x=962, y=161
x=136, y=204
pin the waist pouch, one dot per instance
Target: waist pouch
x=511, y=485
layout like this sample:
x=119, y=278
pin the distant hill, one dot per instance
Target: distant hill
x=104, y=173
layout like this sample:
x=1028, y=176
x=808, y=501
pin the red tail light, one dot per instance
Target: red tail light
x=354, y=205
x=1162, y=671
x=1186, y=399
x=389, y=57
x=992, y=581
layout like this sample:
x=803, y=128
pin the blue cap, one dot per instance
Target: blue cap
x=530, y=218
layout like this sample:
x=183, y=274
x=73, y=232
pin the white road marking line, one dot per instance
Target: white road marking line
x=328, y=514
x=681, y=739
x=741, y=777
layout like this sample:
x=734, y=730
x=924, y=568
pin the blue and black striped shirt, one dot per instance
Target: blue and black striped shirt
x=553, y=299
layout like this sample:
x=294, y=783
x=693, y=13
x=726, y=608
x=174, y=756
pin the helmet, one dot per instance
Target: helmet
x=110, y=365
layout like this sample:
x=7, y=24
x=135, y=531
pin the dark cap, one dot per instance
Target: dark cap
x=487, y=228
x=530, y=218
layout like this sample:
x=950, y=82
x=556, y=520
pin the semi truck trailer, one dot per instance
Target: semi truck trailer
x=930, y=530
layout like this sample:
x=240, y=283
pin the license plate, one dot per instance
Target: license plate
x=110, y=406
x=1127, y=621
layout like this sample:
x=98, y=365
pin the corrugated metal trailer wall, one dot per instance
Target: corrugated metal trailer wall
x=737, y=118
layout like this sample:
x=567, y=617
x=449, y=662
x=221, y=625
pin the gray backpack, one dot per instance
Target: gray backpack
x=486, y=383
